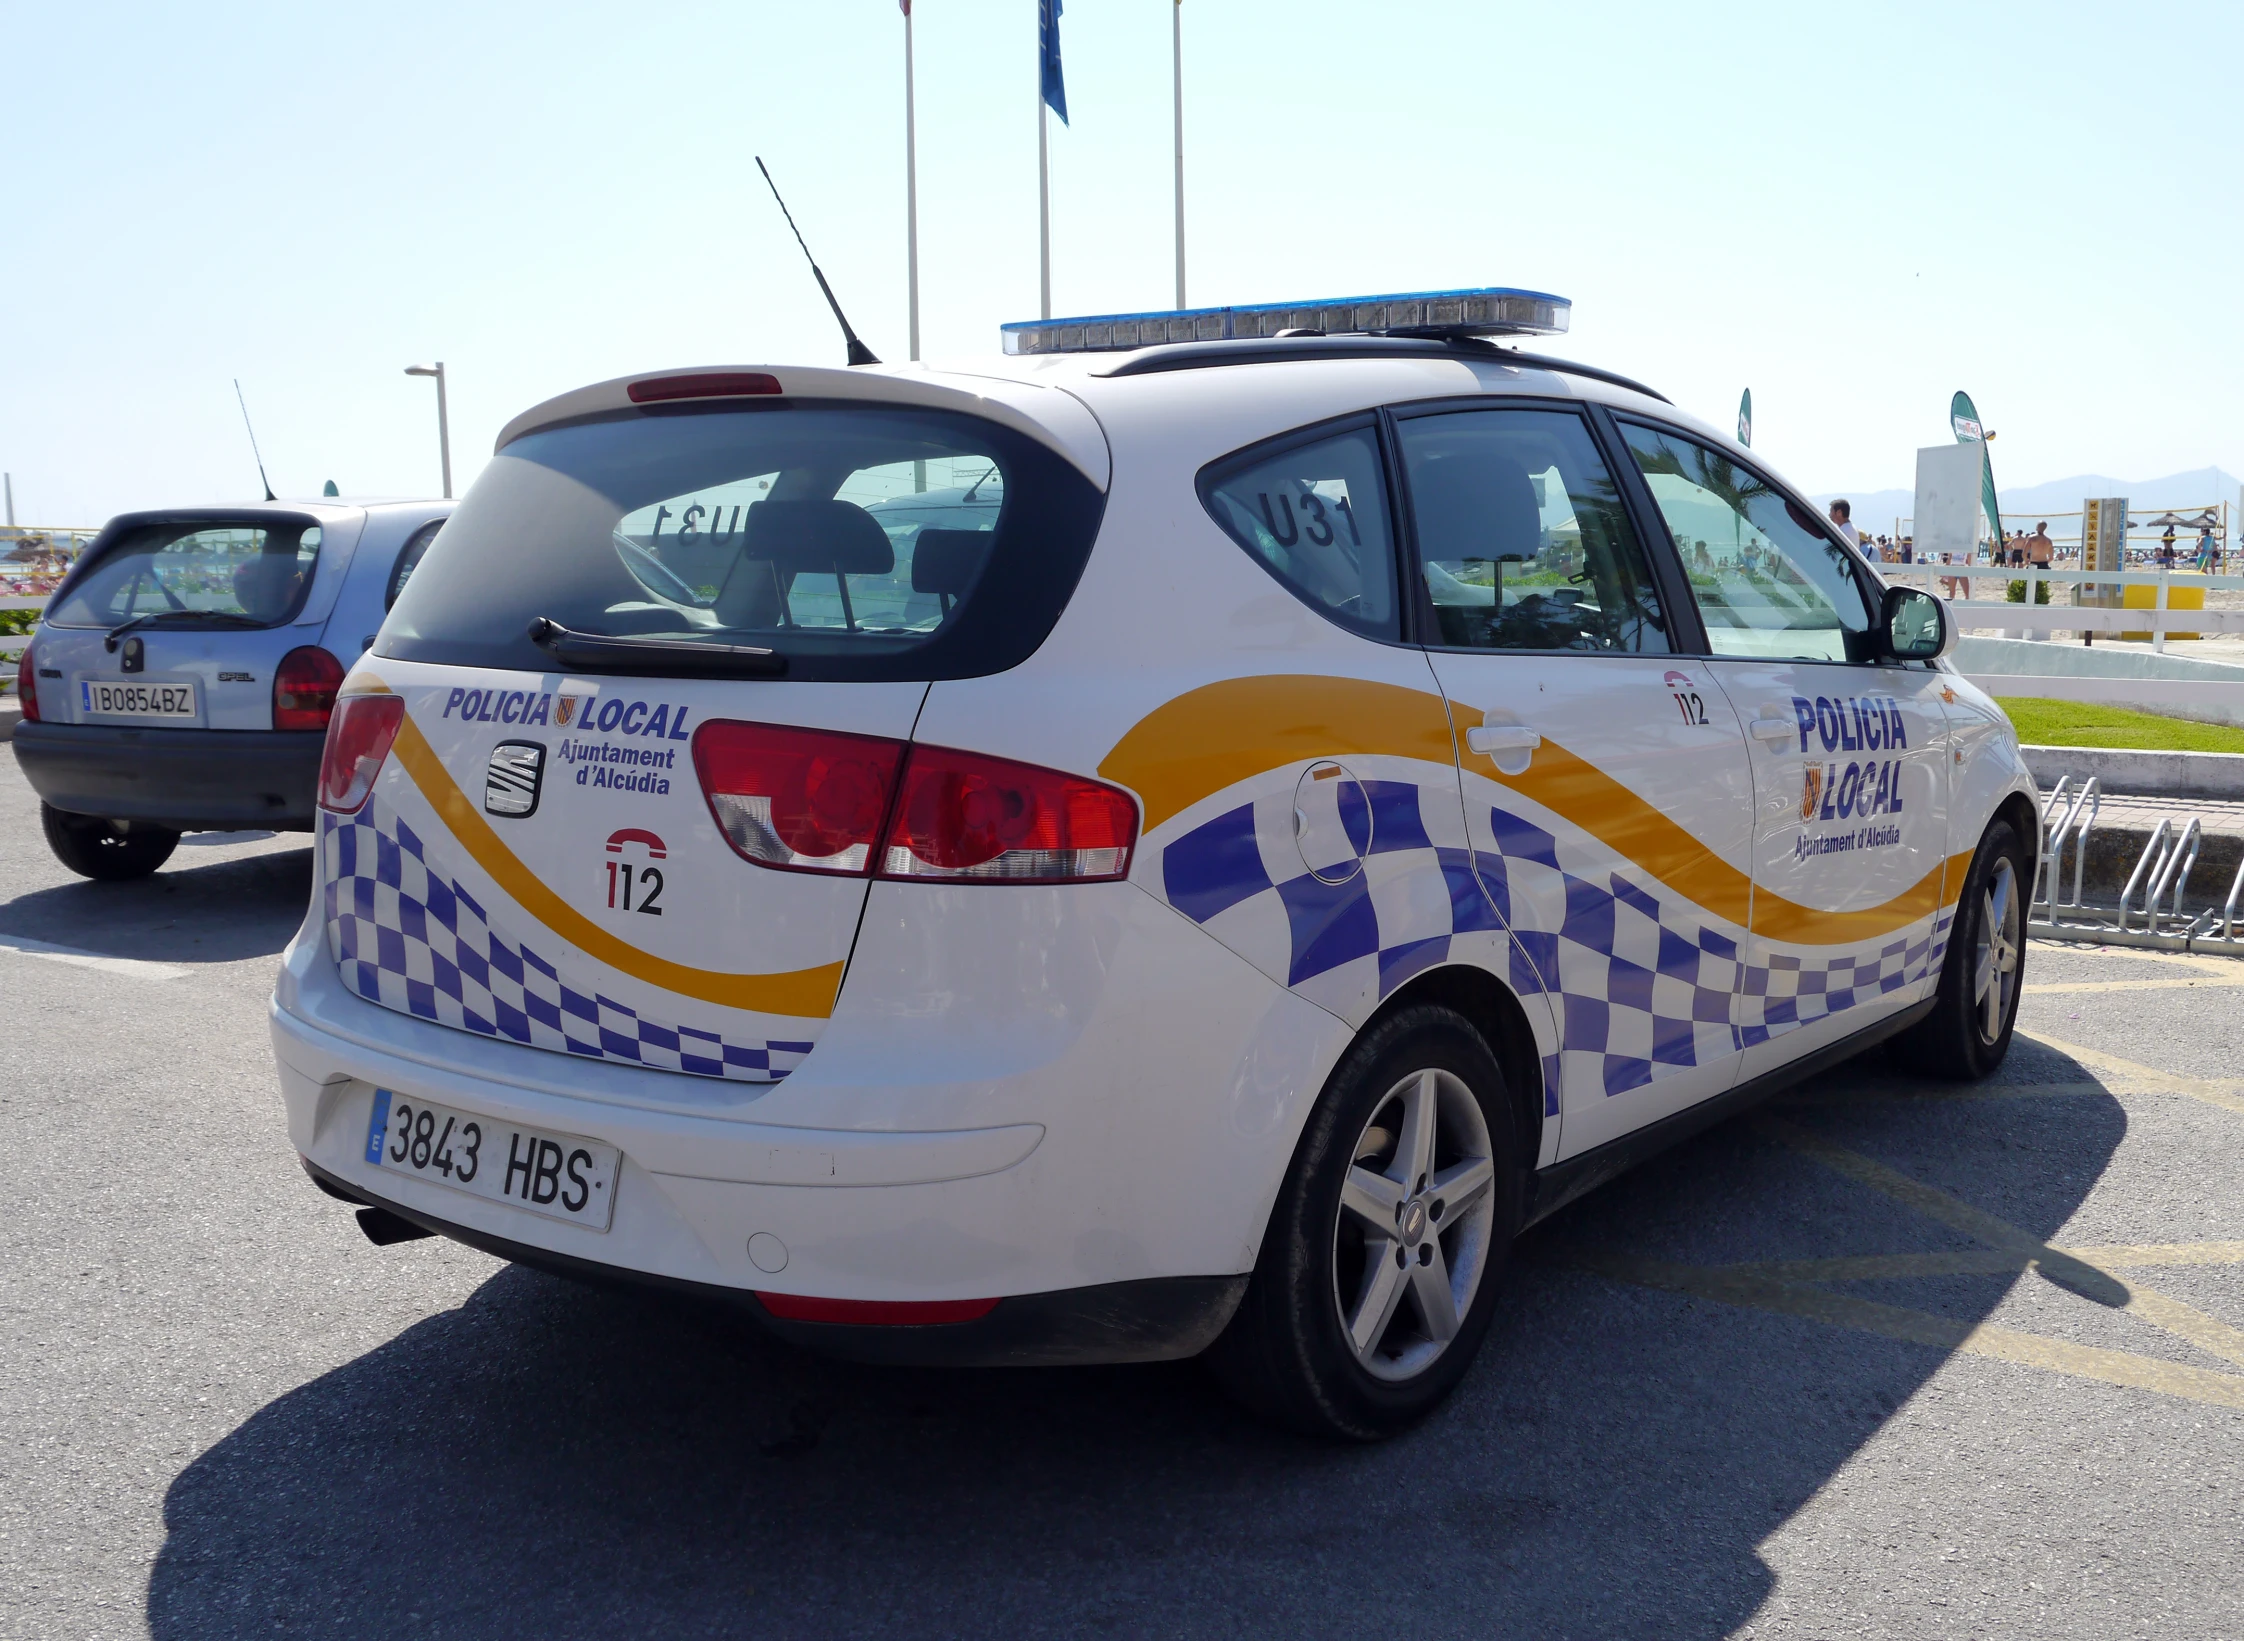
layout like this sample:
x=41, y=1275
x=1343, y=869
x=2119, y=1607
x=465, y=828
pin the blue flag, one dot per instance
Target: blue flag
x=1048, y=49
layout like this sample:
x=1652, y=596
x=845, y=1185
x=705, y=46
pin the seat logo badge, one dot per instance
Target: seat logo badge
x=512, y=779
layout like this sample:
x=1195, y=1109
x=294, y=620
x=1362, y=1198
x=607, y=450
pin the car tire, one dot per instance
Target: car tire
x=1967, y=1034
x=1408, y=1184
x=95, y=848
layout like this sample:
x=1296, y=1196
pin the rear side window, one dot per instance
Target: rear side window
x=196, y=575
x=1314, y=514
x=408, y=560
x=858, y=541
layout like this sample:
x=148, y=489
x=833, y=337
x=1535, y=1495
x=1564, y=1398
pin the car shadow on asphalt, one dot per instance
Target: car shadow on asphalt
x=220, y=912
x=549, y=1460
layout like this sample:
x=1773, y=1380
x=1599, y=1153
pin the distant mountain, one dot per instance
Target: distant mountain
x=1875, y=510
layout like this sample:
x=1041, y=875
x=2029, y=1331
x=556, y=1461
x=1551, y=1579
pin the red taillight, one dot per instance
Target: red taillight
x=27, y=686
x=803, y=799
x=963, y=815
x=730, y=384
x=358, y=739
x=810, y=800
x=796, y=1307
x=304, y=687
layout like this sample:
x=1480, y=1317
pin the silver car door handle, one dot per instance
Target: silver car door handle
x=1491, y=738
x=1774, y=730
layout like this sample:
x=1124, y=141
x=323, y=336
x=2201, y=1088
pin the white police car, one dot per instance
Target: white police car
x=1188, y=835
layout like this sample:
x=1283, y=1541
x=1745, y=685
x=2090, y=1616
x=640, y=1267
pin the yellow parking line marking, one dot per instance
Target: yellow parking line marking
x=1935, y=1093
x=2222, y=1092
x=2188, y=983
x=2203, y=962
x=1987, y=1262
x=2112, y=1367
x=2208, y=1333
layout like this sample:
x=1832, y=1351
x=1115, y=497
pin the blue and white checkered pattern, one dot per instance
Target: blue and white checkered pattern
x=409, y=938
x=1242, y=879
x=1642, y=982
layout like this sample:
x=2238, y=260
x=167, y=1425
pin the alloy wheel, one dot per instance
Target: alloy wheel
x=1996, y=952
x=1417, y=1212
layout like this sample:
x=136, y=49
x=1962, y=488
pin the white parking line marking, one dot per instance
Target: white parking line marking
x=135, y=966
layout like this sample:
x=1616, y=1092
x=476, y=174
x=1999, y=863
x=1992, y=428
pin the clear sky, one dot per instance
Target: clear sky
x=1853, y=210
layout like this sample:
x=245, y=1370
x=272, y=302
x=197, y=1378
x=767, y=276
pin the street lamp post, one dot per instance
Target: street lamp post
x=443, y=420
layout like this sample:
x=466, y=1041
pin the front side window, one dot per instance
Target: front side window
x=1770, y=583
x=197, y=576
x=1314, y=515
x=1523, y=543
x=857, y=542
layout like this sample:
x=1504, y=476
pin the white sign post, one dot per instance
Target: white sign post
x=1947, y=521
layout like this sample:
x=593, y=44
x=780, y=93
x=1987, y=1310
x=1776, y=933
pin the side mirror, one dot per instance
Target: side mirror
x=1916, y=626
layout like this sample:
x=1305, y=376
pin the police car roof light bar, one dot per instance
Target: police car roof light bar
x=1494, y=310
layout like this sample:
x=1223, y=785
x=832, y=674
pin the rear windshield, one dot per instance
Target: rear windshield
x=857, y=541
x=210, y=575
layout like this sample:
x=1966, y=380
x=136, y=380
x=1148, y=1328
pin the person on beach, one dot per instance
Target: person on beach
x=1842, y=515
x=2039, y=548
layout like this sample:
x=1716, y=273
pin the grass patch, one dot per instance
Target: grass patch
x=2043, y=722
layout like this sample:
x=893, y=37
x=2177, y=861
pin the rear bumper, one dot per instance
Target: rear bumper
x=191, y=779
x=1158, y=1319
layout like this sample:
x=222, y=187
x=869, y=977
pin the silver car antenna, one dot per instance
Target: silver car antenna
x=253, y=450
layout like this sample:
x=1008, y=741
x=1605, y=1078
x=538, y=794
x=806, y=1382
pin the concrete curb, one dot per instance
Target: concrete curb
x=2140, y=774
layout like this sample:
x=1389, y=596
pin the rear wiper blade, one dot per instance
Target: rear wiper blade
x=659, y=657
x=215, y=618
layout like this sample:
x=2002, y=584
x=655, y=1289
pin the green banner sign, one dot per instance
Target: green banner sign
x=1745, y=418
x=1963, y=416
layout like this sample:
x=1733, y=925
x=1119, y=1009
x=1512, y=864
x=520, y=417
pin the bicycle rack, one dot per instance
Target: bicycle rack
x=2166, y=863
x=2073, y=828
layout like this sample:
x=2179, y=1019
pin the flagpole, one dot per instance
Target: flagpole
x=1043, y=200
x=911, y=187
x=1176, y=42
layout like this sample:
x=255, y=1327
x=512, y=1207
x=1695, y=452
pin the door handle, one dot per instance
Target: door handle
x=1773, y=730
x=1491, y=739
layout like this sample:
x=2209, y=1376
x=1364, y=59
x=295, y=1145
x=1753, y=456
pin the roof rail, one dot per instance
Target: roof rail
x=1168, y=356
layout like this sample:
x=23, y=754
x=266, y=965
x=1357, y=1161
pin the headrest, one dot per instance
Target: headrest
x=1474, y=504
x=946, y=561
x=265, y=585
x=819, y=538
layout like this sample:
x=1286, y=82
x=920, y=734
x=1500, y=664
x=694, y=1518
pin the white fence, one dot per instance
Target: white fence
x=2159, y=620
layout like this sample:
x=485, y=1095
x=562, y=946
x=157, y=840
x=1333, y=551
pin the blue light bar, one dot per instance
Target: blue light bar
x=1491, y=311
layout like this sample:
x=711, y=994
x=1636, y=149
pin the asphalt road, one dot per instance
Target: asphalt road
x=1885, y=1361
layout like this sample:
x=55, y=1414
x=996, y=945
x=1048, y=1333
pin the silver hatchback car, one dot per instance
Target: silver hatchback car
x=183, y=674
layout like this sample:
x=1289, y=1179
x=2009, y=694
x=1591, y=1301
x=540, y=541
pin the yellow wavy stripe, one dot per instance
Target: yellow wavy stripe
x=805, y=993
x=1601, y=806
x=1220, y=734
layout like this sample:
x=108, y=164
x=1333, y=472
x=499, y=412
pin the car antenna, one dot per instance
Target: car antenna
x=859, y=354
x=253, y=450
